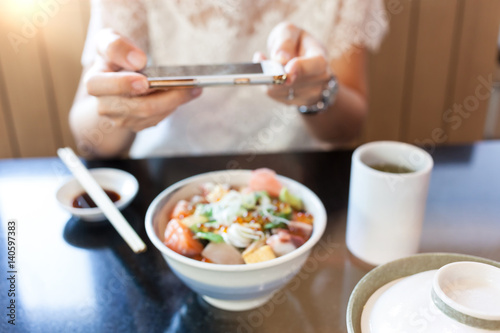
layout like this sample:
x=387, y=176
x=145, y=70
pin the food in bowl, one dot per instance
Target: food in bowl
x=231, y=287
x=232, y=225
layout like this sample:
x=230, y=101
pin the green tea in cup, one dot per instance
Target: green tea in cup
x=391, y=168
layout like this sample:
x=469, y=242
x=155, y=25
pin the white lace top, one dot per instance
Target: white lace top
x=230, y=119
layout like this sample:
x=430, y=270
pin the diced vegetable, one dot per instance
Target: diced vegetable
x=253, y=246
x=222, y=253
x=290, y=199
x=193, y=220
x=263, y=253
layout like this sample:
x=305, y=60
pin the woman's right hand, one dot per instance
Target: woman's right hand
x=124, y=95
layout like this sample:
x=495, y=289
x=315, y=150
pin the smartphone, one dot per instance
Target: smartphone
x=265, y=72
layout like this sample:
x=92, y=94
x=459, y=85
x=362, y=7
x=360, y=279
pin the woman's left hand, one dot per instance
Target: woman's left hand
x=306, y=64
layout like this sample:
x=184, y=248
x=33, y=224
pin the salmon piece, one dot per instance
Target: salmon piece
x=180, y=239
x=264, y=179
x=181, y=210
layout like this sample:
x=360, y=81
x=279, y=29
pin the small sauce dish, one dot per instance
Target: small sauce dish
x=116, y=180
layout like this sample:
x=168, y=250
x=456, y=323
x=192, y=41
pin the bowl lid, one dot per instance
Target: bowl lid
x=469, y=292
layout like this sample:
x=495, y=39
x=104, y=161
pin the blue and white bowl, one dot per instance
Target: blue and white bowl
x=232, y=287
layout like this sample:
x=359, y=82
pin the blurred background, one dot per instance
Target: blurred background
x=434, y=81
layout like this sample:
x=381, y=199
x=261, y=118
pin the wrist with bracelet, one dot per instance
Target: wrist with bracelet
x=328, y=96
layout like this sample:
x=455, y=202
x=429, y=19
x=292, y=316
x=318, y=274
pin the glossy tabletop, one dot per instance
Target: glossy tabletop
x=73, y=276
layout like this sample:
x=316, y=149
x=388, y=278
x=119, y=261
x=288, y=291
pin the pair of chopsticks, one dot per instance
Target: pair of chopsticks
x=100, y=198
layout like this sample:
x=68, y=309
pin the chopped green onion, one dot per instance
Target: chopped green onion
x=216, y=238
x=287, y=216
x=271, y=225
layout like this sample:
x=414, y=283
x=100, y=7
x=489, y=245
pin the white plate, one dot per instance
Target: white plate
x=115, y=180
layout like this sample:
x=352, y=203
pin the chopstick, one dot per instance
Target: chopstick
x=100, y=198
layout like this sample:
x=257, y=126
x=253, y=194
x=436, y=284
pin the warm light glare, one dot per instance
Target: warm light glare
x=21, y=6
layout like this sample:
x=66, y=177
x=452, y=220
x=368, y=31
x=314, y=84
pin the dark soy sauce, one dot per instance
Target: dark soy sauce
x=83, y=200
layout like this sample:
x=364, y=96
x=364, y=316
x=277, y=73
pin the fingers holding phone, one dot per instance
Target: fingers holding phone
x=305, y=61
x=119, y=52
x=101, y=84
x=140, y=112
x=122, y=94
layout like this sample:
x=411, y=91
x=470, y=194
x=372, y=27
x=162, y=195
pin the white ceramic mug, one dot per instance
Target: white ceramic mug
x=386, y=210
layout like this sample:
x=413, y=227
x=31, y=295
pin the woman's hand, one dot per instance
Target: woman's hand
x=305, y=62
x=308, y=71
x=123, y=95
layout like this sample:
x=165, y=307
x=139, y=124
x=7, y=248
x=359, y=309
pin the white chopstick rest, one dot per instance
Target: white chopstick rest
x=101, y=199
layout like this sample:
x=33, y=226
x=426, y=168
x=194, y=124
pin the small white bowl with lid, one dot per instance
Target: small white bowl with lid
x=409, y=295
x=469, y=292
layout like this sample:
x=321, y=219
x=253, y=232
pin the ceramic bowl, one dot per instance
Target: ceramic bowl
x=413, y=307
x=469, y=292
x=115, y=180
x=231, y=287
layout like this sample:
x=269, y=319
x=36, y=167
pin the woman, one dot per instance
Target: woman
x=322, y=45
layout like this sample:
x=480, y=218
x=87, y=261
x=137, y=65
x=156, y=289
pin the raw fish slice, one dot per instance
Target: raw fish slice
x=301, y=229
x=265, y=180
x=180, y=239
x=222, y=253
x=281, y=243
x=181, y=210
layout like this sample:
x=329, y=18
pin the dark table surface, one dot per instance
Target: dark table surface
x=74, y=276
